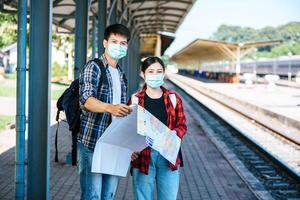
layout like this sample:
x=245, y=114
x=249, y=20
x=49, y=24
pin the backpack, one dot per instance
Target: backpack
x=69, y=103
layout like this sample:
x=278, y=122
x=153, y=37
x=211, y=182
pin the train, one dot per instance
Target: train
x=280, y=67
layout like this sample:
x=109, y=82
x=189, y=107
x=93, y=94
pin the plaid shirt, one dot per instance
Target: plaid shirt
x=92, y=124
x=176, y=121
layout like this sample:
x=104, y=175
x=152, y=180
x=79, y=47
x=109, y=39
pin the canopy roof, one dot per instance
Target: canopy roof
x=145, y=17
x=200, y=51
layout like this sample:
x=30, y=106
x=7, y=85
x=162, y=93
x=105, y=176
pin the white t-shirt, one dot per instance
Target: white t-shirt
x=116, y=85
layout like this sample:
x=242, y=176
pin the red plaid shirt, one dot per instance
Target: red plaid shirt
x=176, y=121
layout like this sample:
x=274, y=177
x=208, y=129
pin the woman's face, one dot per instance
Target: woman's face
x=154, y=69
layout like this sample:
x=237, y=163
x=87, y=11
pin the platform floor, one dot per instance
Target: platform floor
x=279, y=99
x=206, y=173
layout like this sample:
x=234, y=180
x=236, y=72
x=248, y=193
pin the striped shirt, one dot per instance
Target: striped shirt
x=92, y=125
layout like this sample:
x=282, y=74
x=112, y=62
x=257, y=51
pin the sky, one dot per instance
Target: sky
x=207, y=15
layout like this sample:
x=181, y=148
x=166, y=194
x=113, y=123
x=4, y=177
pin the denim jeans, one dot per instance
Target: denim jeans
x=94, y=185
x=167, y=181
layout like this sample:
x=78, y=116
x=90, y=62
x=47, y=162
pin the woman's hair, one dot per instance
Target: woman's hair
x=149, y=61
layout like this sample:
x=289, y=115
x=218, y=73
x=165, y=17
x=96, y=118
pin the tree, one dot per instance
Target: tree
x=288, y=33
x=8, y=29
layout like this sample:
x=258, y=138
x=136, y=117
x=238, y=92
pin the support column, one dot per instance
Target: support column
x=39, y=100
x=81, y=35
x=158, y=45
x=113, y=12
x=94, y=39
x=102, y=9
x=238, y=61
x=21, y=101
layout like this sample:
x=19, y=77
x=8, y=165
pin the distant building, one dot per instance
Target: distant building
x=8, y=57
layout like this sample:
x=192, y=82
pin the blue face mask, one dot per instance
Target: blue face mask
x=116, y=51
x=155, y=81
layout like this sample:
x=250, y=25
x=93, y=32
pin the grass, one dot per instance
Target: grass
x=7, y=91
x=11, y=92
x=55, y=94
x=4, y=120
x=10, y=76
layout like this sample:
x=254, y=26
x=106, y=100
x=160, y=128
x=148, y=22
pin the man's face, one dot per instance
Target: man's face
x=115, y=39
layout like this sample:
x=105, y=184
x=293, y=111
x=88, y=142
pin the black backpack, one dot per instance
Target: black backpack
x=69, y=103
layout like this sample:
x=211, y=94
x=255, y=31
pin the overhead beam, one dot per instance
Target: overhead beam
x=157, y=23
x=159, y=8
x=161, y=26
x=178, y=1
x=155, y=20
x=56, y=2
x=156, y=14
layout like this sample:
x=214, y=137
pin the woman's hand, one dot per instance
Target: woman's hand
x=134, y=155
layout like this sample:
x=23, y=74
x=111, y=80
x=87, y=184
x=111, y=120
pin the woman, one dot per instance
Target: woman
x=148, y=165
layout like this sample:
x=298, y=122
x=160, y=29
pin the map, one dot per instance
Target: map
x=158, y=135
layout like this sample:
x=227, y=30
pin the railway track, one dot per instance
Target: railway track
x=275, y=175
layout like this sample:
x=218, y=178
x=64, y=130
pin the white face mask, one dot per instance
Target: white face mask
x=154, y=81
x=116, y=51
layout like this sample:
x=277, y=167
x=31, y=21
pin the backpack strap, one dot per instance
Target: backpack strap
x=56, y=152
x=103, y=78
x=173, y=100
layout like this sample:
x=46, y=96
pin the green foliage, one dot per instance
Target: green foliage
x=7, y=91
x=58, y=70
x=10, y=76
x=55, y=94
x=289, y=34
x=166, y=59
x=4, y=120
x=8, y=29
x=62, y=41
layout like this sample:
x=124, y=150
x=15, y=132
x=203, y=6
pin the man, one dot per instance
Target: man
x=102, y=103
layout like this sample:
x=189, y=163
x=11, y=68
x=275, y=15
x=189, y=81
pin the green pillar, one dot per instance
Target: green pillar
x=38, y=184
x=81, y=35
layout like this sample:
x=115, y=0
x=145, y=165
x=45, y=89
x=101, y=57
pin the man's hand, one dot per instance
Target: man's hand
x=134, y=155
x=119, y=110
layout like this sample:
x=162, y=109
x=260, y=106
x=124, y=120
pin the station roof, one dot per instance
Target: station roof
x=147, y=17
x=201, y=51
x=149, y=43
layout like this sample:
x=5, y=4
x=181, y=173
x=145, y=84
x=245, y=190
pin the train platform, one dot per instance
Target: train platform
x=261, y=114
x=287, y=83
x=273, y=106
x=206, y=174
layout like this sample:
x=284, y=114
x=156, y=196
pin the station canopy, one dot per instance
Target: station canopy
x=205, y=51
x=145, y=17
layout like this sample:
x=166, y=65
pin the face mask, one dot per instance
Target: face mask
x=155, y=81
x=116, y=51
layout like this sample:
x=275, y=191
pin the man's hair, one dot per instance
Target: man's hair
x=117, y=29
x=149, y=61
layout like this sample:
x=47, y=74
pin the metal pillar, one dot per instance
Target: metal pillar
x=94, y=37
x=112, y=16
x=102, y=8
x=238, y=61
x=158, y=45
x=21, y=101
x=39, y=100
x=81, y=35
